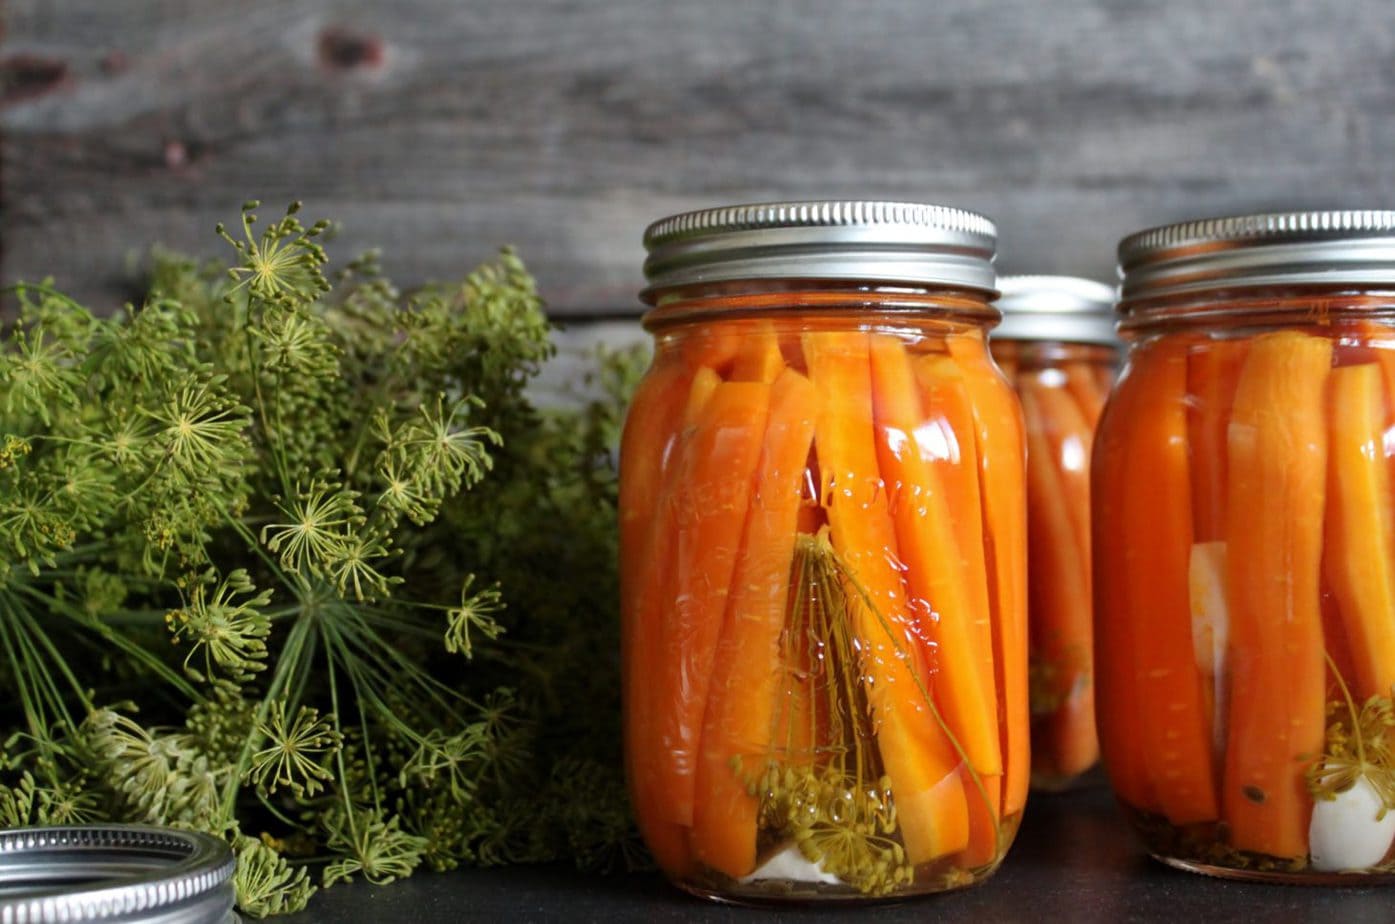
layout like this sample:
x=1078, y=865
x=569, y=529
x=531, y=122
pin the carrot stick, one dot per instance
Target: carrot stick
x=985, y=815
x=1118, y=699
x=958, y=638
x=1059, y=622
x=759, y=359
x=711, y=496
x=1275, y=499
x=928, y=514
x=946, y=438
x=1359, y=546
x=704, y=384
x=917, y=755
x=1085, y=388
x=746, y=669
x=1156, y=531
x=999, y=443
x=1213, y=369
x=651, y=448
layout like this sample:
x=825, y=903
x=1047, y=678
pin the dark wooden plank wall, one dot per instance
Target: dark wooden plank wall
x=440, y=128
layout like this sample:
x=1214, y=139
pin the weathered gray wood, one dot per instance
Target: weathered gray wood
x=440, y=128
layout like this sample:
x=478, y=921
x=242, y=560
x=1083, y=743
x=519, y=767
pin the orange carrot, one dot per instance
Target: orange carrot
x=1213, y=369
x=1359, y=547
x=985, y=815
x=1085, y=388
x=1275, y=500
x=1156, y=527
x=1118, y=699
x=651, y=448
x=999, y=443
x=711, y=495
x=759, y=359
x=918, y=757
x=1058, y=501
x=746, y=670
x=704, y=384
x=935, y=573
x=946, y=438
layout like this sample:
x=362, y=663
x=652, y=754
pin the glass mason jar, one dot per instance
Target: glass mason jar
x=1244, y=546
x=1058, y=348
x=823, y=556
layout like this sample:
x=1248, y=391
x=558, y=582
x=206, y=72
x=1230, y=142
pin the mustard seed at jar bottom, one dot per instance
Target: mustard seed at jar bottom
x=1245, y=550
x=823, y=556
x=1058, y=347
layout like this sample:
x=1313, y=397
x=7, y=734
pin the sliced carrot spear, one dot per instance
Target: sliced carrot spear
x=1213, y=369
x=759, y=359
x=1156, y=529
x=1275, y=501
x=711, y=495
x=917, y=755
x=650, y=454
x=1360, y=545
x=947, y=439
x=925, y=514
x=1084, y=387
x=746, y=671
x=1118, y=692
x=954, y=620
x=1058, y=502
x=999, y=442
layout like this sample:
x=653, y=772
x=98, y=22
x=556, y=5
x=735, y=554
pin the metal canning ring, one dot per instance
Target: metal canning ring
x=116, y=874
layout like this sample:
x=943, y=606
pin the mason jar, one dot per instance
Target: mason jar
x=1058, y=348
x=823, y=555
x=1244, y=547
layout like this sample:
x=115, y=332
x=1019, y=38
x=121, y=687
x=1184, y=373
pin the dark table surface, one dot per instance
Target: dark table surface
x=1074, y=860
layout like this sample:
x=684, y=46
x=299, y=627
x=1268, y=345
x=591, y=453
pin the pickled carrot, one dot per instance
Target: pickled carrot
x=759, y=359
x=746, y=674
x=712, y=493
x=1213, y=369
x=940, y=534
x=1118, y=697
x=917, y=755
x=1060, y=606
x=1007, y=362
x=714, y=346
x=999, y=443
x=1275, y=500
x=704, y=384
x=946, y=438
x=1085, y=388
x=925, y=511
x=652, y=447
x=1359, y=542
x=985, y=816
x=1157, y=526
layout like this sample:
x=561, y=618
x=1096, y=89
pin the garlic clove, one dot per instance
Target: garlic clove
x=1344, y=833
x=792, y=866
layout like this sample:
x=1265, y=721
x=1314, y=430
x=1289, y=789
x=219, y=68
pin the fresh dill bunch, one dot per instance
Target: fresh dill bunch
x=288, y=554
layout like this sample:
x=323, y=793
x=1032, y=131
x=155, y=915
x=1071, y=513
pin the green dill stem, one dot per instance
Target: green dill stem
x=1351, y=710
x=291, y=654
x=339, y=754
x=278, y=453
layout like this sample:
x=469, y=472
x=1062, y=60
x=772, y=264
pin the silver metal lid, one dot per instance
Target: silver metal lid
x=116, y=874
x=1274, y=249
x=881, y=242
x=1065, y=308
